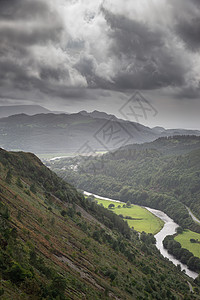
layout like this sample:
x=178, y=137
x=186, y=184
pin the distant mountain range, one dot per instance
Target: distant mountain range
x=6, y=111
x=79, y=133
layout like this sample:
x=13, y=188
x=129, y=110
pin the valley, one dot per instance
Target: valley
x=65, y=238
x=162, y=175
x=138, y=218
x=147, y=218
x=99, y=150
x=62, y=231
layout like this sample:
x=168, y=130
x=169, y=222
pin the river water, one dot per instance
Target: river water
x=193, y=216
x=169, y=228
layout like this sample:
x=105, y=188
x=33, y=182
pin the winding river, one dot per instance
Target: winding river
x=193, y=216
x=169, y=228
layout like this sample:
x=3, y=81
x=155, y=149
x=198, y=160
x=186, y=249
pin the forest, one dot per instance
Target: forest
x=159, y=174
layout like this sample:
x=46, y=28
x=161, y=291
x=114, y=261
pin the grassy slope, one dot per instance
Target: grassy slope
x=145, y=221
x=91, y=268
x=184, y=240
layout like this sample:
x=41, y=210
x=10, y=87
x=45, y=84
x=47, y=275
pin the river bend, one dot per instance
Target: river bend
x=169, y=228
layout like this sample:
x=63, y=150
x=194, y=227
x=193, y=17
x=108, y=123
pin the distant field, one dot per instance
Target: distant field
x=52, y=155
x=49, y=156
x=184, y=240
x=145, y=221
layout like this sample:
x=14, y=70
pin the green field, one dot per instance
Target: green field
x=52, y=155
x=144, y=220
x=49, y=156
x=184, y=240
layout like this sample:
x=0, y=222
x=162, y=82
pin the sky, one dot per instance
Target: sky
x=77, y=55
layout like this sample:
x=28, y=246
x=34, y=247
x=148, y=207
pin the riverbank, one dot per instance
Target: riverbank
x=136, y=216
x=168, y=229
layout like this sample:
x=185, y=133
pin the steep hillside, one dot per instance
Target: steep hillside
x=55, y=244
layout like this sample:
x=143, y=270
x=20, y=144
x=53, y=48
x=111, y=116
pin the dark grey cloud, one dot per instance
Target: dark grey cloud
x=148, y=62
x=61, y=48
x=57, y=74
x=145, y=59
x=131, y=36
x=28, y=22
x=189, y=92
x=187, y=22
x=86, y=66
x=18, y=9
x=189, y=32
x=27, y=29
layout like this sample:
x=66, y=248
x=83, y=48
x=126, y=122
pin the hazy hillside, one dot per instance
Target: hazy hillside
x=80, y=133
x=46, y=133
x=55, y=244
x=170, y=145
x=6, y=111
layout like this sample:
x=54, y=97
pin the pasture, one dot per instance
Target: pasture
x=143, y=219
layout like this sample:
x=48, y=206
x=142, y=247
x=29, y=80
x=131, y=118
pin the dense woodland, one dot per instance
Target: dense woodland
x=163, y=174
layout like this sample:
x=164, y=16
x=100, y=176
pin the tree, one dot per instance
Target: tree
x=19, y=183
x=58, y=287
x=192, y=241
x=128, y=204
x=63, y=213
x=91, y=198
x=9, y=176
x=18, y=274
x=111, y=205
x=179, y=230
x=33, y=188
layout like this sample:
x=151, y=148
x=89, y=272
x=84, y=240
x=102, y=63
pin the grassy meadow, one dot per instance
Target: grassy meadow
x=143, y=219
x=184, y=240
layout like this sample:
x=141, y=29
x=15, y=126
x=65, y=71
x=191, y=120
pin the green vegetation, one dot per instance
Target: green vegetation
x=163, y=175
x=184, y=240
x=141, y=218
x=182, y=254
x=55, y=244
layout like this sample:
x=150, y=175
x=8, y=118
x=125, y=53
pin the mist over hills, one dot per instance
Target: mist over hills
x=79, y=133
x=6, y=111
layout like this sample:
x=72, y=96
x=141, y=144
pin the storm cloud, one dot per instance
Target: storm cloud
x=63, y=49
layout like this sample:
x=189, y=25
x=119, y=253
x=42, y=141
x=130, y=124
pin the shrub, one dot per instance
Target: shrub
x=19, y=183
x=111, y=206
x=63, y=213
x=17, y=274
